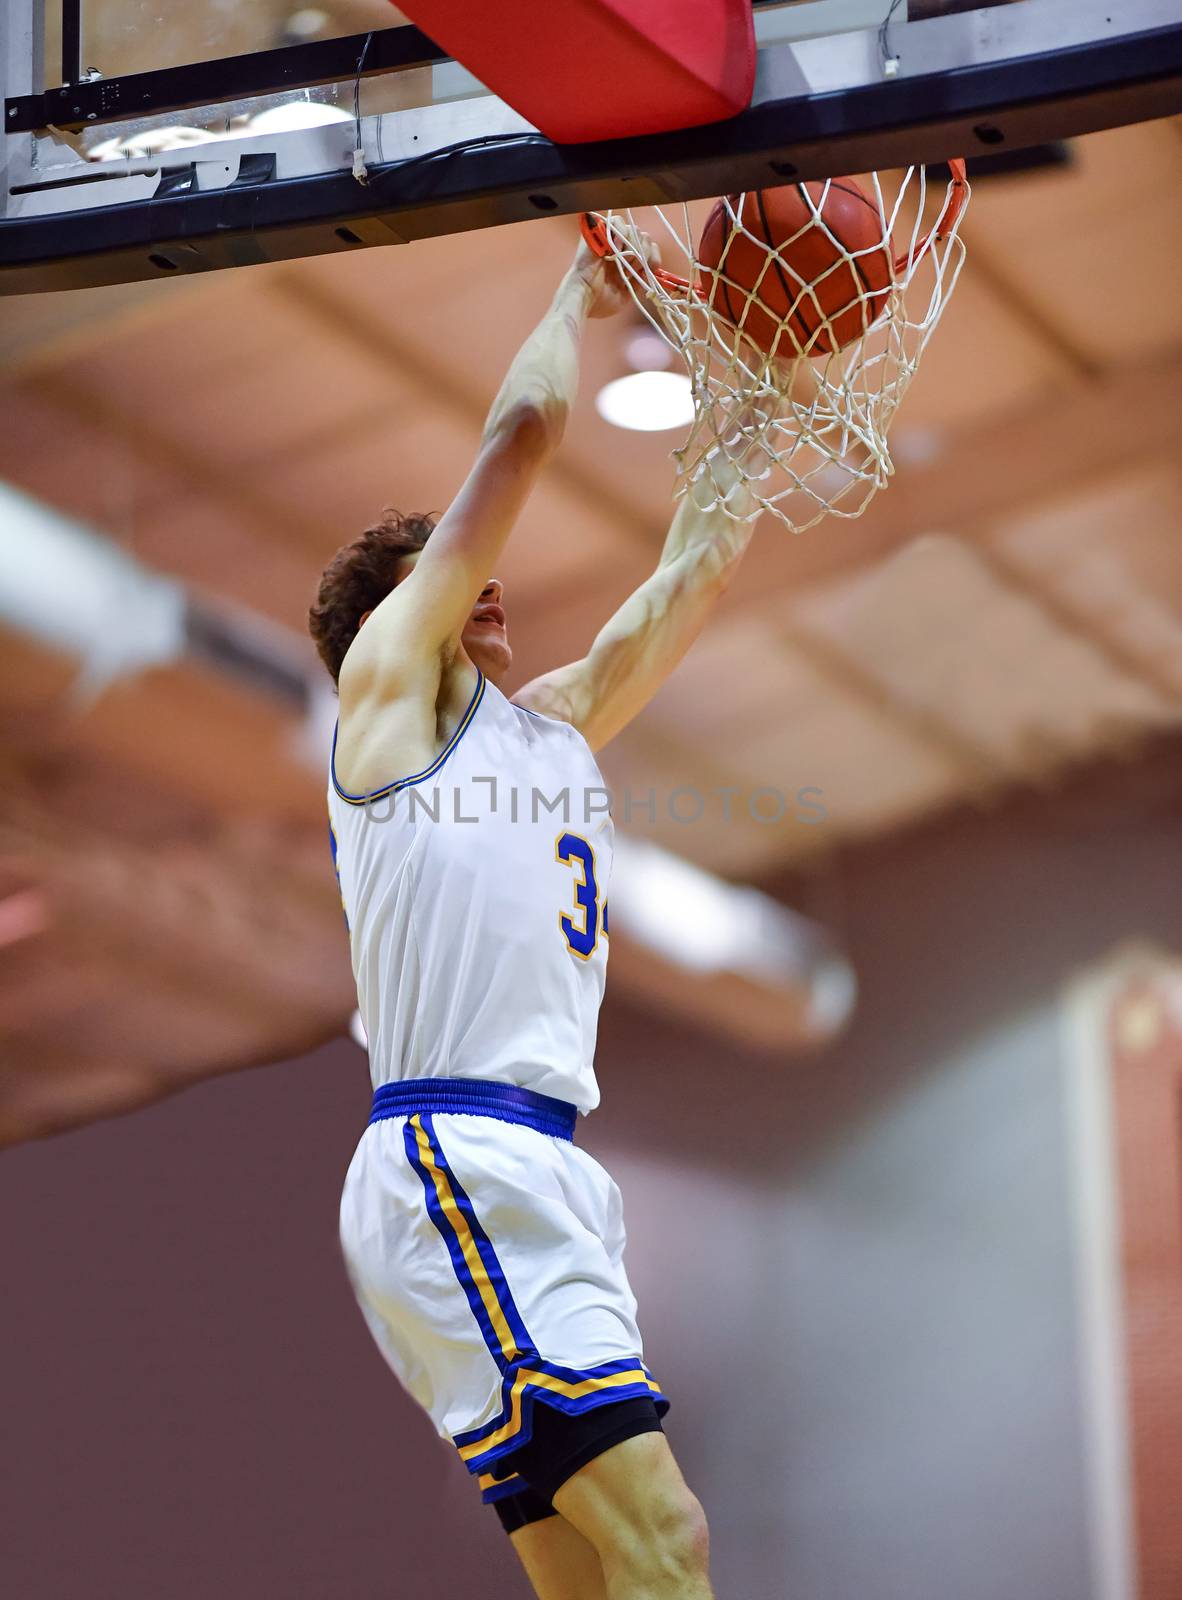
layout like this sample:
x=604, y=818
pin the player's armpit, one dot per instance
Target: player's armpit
x=632, y=655
x=641, y=644
x=563, y=694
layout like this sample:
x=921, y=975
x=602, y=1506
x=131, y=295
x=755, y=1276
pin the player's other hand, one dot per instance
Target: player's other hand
x=602, y=277
x=605, y=277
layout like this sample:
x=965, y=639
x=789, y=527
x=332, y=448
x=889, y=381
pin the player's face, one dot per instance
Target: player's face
x=486, y=636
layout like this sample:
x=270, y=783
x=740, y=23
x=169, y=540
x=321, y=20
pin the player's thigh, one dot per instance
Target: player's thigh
x=633, y=1498
x=558, y=1561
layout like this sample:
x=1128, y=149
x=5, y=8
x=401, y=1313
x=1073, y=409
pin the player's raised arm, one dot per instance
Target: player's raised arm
x=640, y=645
x=419, y=623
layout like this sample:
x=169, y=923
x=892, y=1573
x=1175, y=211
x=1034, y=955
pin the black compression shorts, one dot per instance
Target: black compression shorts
x=559, y=1446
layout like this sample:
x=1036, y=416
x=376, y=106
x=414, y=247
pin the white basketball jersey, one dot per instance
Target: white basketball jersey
x=476, y=898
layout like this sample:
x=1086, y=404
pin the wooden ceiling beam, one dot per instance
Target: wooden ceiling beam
x=1055, y=449
x=49, y=332
x=1009, y=289
x=1059, y=611
x=980, y=771
x=337, y=317
x=160, y=449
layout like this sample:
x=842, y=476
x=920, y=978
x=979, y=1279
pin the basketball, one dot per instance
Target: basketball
x=818, y=273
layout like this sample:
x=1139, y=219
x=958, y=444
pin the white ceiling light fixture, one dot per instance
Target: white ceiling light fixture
x=294, y=114
x=81, y=593
x=706, y=926
x=649, y=399
x=305, y=24
x=645, y=350
x=647, y=402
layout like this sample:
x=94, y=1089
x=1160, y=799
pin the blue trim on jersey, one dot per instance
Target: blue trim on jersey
x=542, y=716
x=480, y=1097
x=416, y=777
x=494, y=1274
x=336, y=867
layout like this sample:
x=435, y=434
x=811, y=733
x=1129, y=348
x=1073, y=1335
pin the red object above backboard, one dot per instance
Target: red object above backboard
x=602, y=69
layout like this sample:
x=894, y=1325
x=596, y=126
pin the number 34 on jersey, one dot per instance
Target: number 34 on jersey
x=582, y=925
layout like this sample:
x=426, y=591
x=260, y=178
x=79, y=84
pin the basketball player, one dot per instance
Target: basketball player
x=484, y=1246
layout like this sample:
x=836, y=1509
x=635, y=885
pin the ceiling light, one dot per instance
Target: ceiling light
x=704, y=924
x=304, y=24
x=113, y=612
x=294, y=114
x=649, y=402
x=916, y=447
x=646, y=351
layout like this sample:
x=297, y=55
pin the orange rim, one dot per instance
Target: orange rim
x=595, y=231
x=957, y=195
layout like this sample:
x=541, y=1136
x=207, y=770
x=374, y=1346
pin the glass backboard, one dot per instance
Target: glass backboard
x=148, y=138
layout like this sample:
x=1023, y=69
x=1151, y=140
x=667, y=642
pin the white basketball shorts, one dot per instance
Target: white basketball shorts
x=486, y=1251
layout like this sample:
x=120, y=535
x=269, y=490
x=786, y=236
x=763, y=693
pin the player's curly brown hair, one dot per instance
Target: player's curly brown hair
x=359, y=577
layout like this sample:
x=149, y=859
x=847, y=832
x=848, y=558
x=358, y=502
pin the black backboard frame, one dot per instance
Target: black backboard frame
x=944, y=103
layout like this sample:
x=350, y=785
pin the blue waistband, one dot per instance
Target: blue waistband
x=478, y=1097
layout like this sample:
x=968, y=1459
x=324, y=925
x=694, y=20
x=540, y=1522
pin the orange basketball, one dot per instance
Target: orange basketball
x=820, y=273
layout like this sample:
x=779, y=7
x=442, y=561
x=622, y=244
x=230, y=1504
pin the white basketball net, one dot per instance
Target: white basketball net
x=807, y=434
